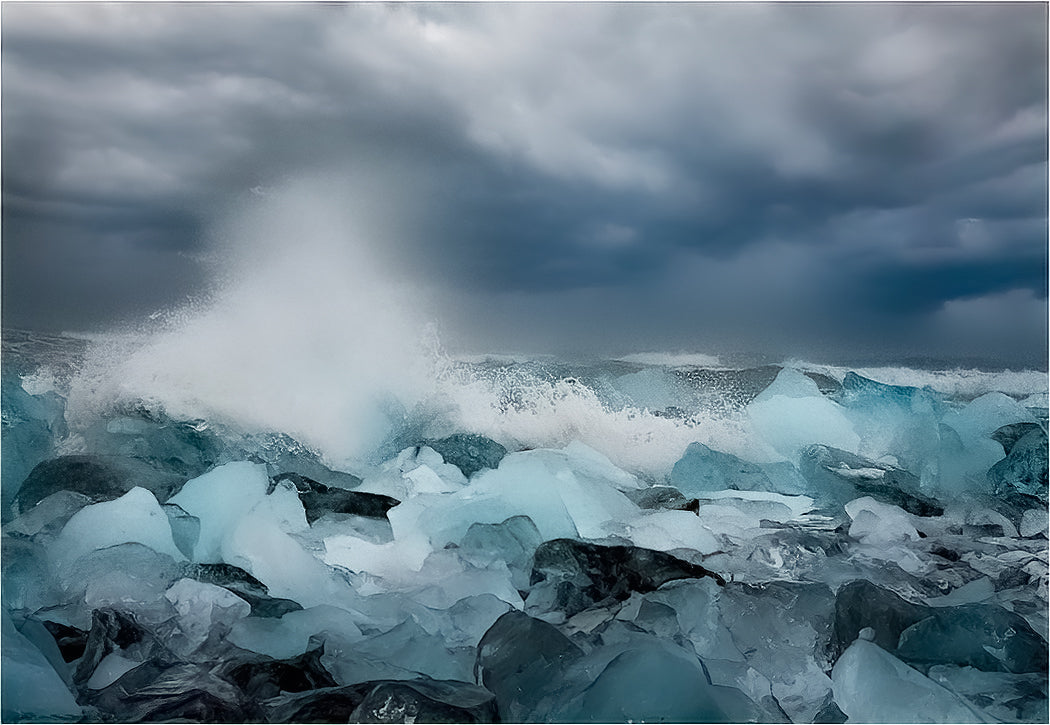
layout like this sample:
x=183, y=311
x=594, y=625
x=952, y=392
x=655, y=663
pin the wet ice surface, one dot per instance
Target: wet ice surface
x=853, y=551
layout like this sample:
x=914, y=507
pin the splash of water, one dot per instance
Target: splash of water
x=304, y=332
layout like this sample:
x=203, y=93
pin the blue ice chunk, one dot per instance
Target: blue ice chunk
x=185, y=529
x=186, y=448
x=782, y=628
x=1003, y=696
x=839, y=476
x=789, y=383
x=859, y=391
x=48, y=516
x=512, y=542
x=658, y=684
x=785, y=478
x=135, y=517
x=1024, y=470
x=860, y=604
x=981, y=417
x=29, y=582
x=405, y=651
x=987, y=637
x=871, y=685
x=893, y=420
x=30, y=689
x=469, y=452
x=100, y=478
x=701, y=470
x=572, y=575
x=791, y=413
x=130, y=576
x=29, y=428
x=522, y=660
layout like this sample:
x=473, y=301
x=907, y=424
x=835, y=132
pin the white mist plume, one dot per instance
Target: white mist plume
x=305, y=331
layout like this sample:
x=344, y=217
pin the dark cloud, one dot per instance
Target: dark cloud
x=778, y=175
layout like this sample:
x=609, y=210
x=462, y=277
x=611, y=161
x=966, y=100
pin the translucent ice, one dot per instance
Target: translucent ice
x=416, y=470
x=31, y=425
x=445, y=578
x=520, y=659
x=135, y=517
x=221, y=498
x=878, y=523
x=512, y=542
x=112, y=667
x=131, y=577
x=1024, y=470
x=576, y=575
x=658, y=684
x=987, y=637
x=29, y=581
x=892, y=419
x=201, y=607
x=871, y=685
x=218, y=499
x=559, y=490
x=781, y=628
x=791, y=413
x=405, y=651
x=470, y=453
x=290, y=635
x=667, y=530
x=984, y=415
x=31, y=689
x=1003, y=696
x=49, y=515
x=701, y=470
x=425, y=700
x=257, y=544
x=836, y=476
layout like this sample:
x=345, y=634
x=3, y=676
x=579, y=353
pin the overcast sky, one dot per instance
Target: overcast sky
x=817, y=180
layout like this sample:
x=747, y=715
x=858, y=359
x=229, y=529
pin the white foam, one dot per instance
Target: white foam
x=521, y=409
x=966, y=383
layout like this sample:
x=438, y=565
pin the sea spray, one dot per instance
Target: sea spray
x=304, y=332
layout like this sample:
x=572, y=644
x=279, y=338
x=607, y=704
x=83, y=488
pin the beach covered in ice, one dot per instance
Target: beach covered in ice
x=654, y=538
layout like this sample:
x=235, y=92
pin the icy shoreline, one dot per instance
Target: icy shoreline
x=820, y=546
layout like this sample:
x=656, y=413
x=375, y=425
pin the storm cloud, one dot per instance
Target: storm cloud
x=808, y=179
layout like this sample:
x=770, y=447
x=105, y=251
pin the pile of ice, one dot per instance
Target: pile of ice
x=882, y=556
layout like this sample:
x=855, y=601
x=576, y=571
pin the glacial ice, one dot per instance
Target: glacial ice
x=791, y=413
x=290, y=635
x=701, y=470
x=871, y=685
x=470, y=453
x=135, y=517
x=657, y=683
x=201, y=607
x=31, y=689
x=31, y=427
x=219, y=499
x=101, y=478
x=879, y=524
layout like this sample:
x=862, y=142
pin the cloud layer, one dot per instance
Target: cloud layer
x=798, y=178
